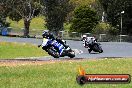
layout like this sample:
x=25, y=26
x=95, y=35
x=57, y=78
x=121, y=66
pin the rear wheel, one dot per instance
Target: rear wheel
x=53, y=53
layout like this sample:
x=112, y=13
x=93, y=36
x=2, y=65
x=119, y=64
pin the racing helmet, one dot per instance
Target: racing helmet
x=45, y=34
x=84, y=37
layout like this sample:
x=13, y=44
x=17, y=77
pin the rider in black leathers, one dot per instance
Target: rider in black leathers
x=49, y=35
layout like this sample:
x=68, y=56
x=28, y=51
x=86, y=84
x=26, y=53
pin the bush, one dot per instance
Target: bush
x=84, y=20
x=105, y=28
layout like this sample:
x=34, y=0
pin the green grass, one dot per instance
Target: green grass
x=63, y=74
x=17, y=50
x=37, y=23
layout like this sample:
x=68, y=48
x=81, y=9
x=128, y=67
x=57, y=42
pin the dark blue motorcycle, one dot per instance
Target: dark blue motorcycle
x=56, y=49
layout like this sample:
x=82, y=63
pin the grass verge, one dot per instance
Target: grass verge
x=61, y=74
x=19, y=50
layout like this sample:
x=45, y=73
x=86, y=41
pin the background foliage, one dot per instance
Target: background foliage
x=58, y=12
x=85, y=19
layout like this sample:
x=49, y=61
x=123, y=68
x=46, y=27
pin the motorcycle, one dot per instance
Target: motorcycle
x=56, y=49
x=95, y=46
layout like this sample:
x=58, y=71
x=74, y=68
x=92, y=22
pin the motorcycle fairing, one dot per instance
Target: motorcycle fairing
x=59, y=46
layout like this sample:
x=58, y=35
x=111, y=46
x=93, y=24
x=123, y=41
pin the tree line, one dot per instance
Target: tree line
x=83, y=15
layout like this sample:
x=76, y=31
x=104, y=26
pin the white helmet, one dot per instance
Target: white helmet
x=84, y=36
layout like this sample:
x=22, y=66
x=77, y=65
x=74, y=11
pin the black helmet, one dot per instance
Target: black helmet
x=45, y=34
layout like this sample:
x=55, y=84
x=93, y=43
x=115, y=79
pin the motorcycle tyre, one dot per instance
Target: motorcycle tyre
x=98, y=48
x=71, y=55
x=55, y=54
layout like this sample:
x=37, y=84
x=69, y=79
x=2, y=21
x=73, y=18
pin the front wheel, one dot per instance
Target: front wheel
x=100, y=51
x=98, y=48
x=72, y=54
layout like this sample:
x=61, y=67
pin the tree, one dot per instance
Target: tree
x=93, y=4
x=3, y=13
x=82, y=2
x=113, y=9
x=56, y=12
x=99, y=9
x=105, y=28
x=85, y=19
x=24, y=9
x=77, y=3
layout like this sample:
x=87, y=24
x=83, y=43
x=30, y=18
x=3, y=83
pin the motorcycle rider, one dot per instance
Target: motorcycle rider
x=88, y=42
x=84, y=39
x=49, y=35
x=91, y=42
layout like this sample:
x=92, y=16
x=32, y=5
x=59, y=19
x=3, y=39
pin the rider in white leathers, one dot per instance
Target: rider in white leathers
x=88, y=42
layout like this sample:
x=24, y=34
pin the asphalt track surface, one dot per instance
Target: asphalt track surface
x=111, y=49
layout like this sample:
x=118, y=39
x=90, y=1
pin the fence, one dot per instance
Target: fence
x=76, y=36
x=115, y=38
x=100, y=37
